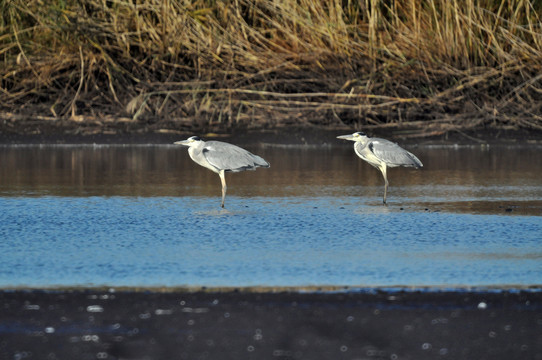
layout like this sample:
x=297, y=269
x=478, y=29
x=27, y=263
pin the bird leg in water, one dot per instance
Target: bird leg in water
x=224, y=187
x=383, y=169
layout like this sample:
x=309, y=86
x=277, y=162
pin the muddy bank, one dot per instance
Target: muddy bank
x=366, y=324
x=71, y=133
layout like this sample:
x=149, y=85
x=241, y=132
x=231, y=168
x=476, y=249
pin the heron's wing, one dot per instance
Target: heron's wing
x=230, y=157
x=392, y=154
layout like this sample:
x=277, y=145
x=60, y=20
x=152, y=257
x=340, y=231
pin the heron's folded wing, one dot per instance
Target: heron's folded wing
x=230, y=157
x=393, y=155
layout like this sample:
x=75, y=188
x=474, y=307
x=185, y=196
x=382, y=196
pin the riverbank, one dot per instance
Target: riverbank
x=260, y=324
x=418, y=69
x=296, y=136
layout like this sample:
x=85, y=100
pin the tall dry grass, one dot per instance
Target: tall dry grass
x=422, y=67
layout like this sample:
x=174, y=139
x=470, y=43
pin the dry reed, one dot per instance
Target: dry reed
x=417, y=67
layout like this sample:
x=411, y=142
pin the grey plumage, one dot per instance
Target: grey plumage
x=221, y=157
x=228, y=157
x=382, y=154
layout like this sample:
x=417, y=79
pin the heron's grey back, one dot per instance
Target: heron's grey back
x=392, y=154
x=230, y=157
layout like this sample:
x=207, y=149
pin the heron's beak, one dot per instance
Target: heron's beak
x=346, y=137
x=182, y=142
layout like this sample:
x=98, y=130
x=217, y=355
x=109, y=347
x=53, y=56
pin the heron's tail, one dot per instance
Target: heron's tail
x=416, y=163
x=259, y=161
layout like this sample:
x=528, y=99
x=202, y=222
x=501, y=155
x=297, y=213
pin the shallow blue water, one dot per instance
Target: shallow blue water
x=278, y=241
x=148, y=216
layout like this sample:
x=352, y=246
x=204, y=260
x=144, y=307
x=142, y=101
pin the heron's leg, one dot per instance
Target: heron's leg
x=224, y=187
x=383, y=169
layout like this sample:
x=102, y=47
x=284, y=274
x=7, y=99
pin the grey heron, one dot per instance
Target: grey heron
x=221, y=157
x=381, y=154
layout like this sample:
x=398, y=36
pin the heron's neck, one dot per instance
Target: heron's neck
x=361, y=142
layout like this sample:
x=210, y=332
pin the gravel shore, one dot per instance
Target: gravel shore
x=270, y=324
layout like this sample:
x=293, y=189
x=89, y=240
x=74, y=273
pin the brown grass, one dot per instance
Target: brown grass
x=415, y=67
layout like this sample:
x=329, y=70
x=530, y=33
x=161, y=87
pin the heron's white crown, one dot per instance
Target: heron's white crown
x=190, y=141
x=357, y=136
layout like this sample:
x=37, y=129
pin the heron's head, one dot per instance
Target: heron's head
x=357, y=136
x=193, y=140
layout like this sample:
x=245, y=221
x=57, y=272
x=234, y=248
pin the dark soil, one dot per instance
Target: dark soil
x=177, y=324
x=46, y=132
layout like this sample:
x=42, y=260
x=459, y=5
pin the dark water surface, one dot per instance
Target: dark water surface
x=138, y=215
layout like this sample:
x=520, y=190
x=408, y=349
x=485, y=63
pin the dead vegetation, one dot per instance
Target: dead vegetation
x=416, y=67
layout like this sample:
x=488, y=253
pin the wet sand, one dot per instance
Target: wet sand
x=270, y=324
